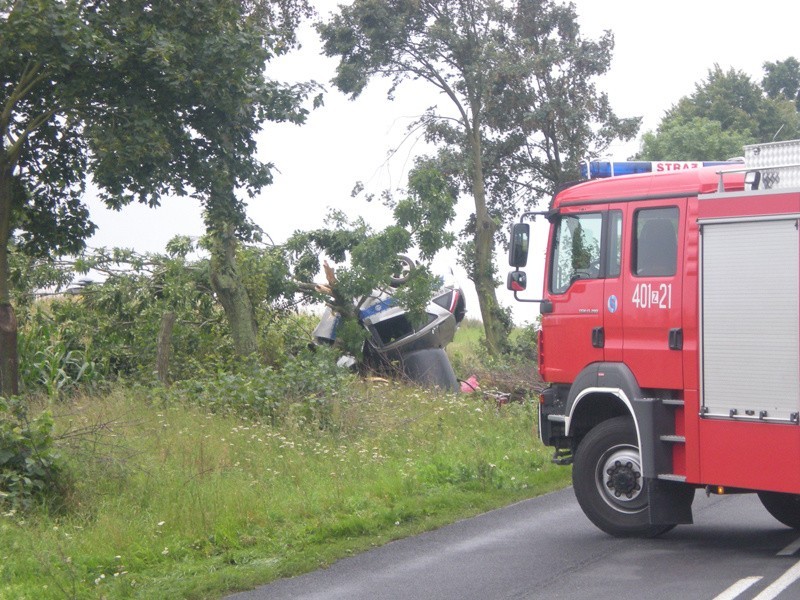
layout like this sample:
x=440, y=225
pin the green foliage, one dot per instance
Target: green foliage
x=520, y=78
x=53, y=359
x=373, y=261
x=30, y=465
x=782, y=80
x=109, y=330
x=121, y=317
x=350, y=337
x=28, y=276
x=698, y=138
x=524, y=344
x=429, y=208
x=47, y=54
x=726, y=111
x=267, y=275
x=304, y=386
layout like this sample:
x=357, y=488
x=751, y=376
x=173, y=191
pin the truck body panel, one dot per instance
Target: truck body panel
x=749, y=362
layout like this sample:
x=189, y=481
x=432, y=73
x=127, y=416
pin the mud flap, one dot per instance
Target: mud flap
x=669, y=502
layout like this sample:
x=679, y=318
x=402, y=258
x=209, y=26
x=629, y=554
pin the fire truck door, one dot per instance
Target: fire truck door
x=652, y=286
x=573, y=328
x=614, y=306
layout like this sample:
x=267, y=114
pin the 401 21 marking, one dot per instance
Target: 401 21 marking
x=652, y=295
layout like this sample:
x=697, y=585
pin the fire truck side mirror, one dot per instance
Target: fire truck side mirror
x=517, y=281
x=518, y=248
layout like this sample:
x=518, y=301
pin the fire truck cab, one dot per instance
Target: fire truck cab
x=670, y=336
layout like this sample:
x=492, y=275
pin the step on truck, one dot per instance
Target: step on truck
x=670, y=335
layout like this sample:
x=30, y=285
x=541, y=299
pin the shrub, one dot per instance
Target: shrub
x=304, y=385
x=30, y=467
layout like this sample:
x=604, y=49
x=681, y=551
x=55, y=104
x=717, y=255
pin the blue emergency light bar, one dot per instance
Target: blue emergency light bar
x=598, y=169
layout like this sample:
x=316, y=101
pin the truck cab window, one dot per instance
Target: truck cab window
x=576, y=250
x=655, y=248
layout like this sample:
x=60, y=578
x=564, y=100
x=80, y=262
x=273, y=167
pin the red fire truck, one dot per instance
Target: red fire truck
x=670, y=337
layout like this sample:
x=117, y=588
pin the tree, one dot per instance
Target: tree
x=782, y=80
x=698, y=138
x=150, y=97
x=520, y=102
x=43, y=158
x=726, y=111
x=210, y=147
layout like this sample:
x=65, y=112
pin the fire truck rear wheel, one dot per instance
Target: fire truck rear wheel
x=784, y=507
x=608, y=483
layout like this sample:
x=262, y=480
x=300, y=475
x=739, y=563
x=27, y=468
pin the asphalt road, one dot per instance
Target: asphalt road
x=546, y=548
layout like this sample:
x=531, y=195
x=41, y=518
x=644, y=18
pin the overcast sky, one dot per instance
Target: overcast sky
x=662, y=50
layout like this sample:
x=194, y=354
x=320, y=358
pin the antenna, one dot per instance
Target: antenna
x=777, y=132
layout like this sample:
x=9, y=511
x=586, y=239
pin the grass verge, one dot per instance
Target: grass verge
x=169, y=501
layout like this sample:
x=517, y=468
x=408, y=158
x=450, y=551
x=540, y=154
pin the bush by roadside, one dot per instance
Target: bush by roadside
x=31, y=469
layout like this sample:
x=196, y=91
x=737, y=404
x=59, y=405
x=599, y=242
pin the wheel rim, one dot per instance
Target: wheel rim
x=619, y=479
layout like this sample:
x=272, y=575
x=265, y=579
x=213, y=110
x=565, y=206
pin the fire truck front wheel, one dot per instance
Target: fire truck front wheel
x=784, y=507
x=608, y=483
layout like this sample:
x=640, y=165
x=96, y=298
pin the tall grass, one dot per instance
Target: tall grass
x=171, y=502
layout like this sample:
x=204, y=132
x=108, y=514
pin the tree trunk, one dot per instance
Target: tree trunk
x=483, y=274
x=9, y=362
x=232, y=294
x=9, y=358
x=164, y=350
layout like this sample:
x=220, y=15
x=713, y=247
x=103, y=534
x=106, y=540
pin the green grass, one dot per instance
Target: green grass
x=465, y=350
x=171, y=502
